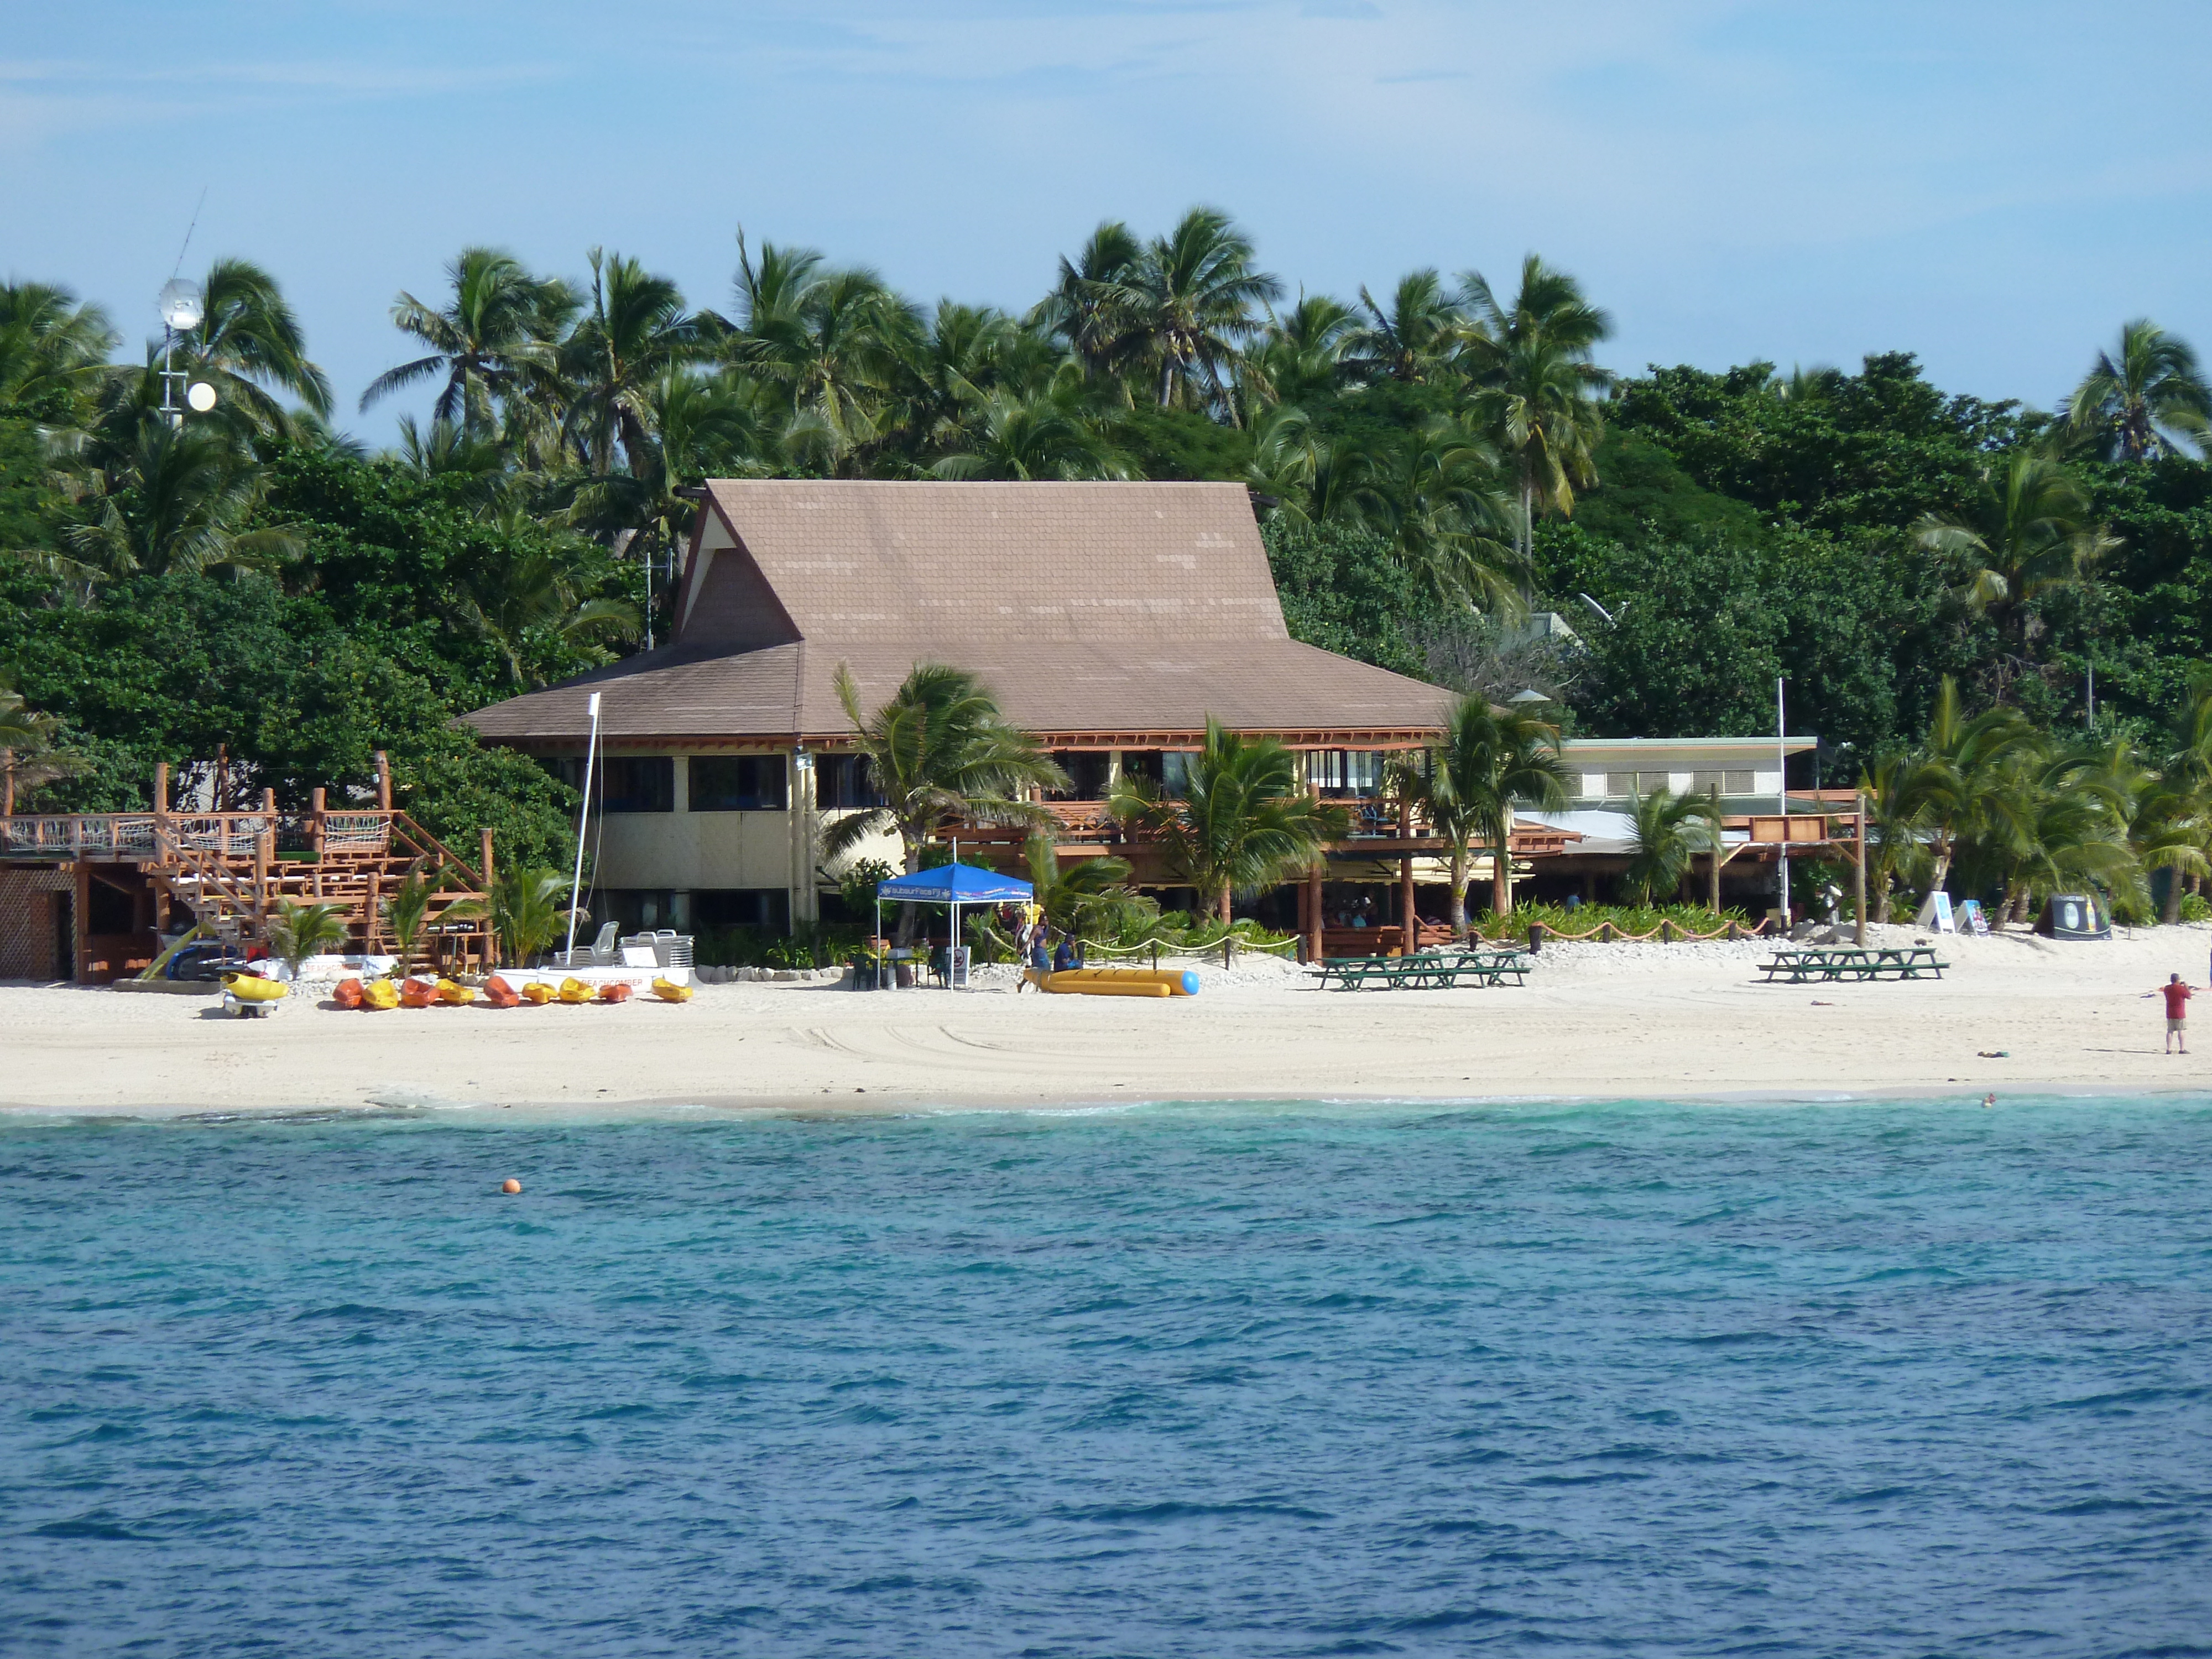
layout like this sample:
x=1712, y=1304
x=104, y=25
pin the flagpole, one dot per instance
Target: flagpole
x=583, y=817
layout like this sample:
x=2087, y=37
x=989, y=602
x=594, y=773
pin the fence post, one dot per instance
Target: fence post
x=1666, y=930
x=1733, y=933
x=1604, y=932
x=1535, y=936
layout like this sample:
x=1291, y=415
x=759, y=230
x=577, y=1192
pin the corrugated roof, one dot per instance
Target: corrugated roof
x=1109, y=609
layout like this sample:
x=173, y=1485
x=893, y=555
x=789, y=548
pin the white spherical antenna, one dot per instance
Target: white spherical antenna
x=201, y=396
x=181, y=304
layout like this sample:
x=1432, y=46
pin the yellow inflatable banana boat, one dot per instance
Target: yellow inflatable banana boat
x=1118, y=982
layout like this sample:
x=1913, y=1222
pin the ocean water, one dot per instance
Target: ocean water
x=1624, y=1379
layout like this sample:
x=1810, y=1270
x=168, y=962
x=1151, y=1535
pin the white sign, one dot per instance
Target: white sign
x=1944, y=922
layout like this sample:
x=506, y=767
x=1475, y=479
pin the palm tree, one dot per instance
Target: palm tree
x=634, y=332
x=2145, y=403
x=500, y=318
x=1189, y=303
x=300, y=930
x=1958, y=771
x=407, y=912
x=519, y=594
x=1091, y=898
x=1242, y=822
x=1300, y=355
x=2028, y=531
x=31, y=753
x=829, y=340
x=249, y=341
x=1487, y=760
x=528, y=910
x=1089, y=308
x=1532, y=360
x=1026, y=438
x=1434, y=495
x=1415, y=339
x=53, y=348
x=179, y=498
x=1670, y=831
x=1897, y=827
x=939, y=751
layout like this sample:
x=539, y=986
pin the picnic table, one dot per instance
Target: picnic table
x=1822, y=964
x=1427, y=970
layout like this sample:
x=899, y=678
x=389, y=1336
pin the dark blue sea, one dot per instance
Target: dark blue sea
x=1628, y=1379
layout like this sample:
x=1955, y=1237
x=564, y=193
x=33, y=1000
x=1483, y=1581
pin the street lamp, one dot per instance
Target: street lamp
x=182, y=306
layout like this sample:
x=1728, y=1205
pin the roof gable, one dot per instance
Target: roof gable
x=867, y=562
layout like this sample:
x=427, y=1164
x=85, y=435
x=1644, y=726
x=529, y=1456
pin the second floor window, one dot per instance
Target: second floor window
x=739, y=783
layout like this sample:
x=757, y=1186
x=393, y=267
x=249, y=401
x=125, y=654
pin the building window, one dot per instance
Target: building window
x=739, y=783
x=1174, y=771
x=768, y=908
x=637, y=783
x=1086, y=771
x=844, y=783
x=1345, y=771
x=1727, y=783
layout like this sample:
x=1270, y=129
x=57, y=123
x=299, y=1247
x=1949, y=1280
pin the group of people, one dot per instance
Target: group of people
x=1044, y=949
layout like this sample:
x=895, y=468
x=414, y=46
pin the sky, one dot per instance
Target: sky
x=1995, y=187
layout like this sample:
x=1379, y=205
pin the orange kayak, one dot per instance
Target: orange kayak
x=417, y=993
x=347, y=994
x=615, y=993
x=499, y=993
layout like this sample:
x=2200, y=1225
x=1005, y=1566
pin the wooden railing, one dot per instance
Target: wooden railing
x=1085, y=824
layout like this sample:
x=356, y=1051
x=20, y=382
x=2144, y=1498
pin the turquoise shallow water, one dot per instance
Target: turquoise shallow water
x=1864, y=1379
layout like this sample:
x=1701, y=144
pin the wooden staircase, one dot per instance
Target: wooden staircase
x=231, y=871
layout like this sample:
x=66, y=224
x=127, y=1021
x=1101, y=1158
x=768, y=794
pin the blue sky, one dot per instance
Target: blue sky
x=1993, y=186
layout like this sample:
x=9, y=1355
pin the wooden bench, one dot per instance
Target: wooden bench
x=1823, y=965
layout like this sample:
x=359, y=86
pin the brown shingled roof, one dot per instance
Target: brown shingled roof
x=1091, y=610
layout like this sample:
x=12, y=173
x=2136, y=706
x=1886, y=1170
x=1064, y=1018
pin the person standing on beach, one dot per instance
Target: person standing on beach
x=2177, y=1011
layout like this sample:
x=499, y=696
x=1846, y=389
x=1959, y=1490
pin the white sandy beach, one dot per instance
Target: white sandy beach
x=1594, y=1020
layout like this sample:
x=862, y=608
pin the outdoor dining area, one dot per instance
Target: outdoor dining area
x=1425, y=971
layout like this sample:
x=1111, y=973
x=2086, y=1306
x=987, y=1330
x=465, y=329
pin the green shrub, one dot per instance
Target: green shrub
x=2196, y=908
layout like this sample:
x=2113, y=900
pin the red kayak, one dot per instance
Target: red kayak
x=615, y=993
x=347, y=994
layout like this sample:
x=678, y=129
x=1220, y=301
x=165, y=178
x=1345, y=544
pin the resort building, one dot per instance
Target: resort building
x=1111, y=619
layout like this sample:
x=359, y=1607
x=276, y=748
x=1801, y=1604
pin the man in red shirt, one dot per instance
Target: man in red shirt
x=2177, y=1011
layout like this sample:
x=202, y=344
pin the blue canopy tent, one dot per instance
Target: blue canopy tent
x=953, y=884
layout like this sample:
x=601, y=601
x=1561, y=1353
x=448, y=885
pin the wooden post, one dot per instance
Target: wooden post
x=487, y=863
x=1410, y=922
x=80, y=921
x=372, y=925
x=7, y=783
x=1316, y=921
x=160, y=788
x=1858, y=875
x=383, y=781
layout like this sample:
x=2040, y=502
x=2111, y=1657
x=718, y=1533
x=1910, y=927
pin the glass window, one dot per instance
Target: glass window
x=739, y=783
x=637, y=783
x=768, y=908
x=1346, y=771
x=1174, y=771
x=844, y=783
x=1086, y=773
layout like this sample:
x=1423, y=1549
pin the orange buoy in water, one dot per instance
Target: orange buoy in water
x=510, y=1186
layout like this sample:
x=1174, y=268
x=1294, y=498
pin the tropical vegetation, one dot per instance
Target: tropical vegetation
x=1997, y=615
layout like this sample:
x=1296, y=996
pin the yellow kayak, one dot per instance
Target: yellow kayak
x=575, y=991
x=669, y=991
x=455, y=996
x=537, y=993
x=251, y=987
x=379, y=994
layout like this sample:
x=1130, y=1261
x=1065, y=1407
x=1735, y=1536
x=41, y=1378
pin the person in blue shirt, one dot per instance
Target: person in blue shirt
x=1063, y=955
